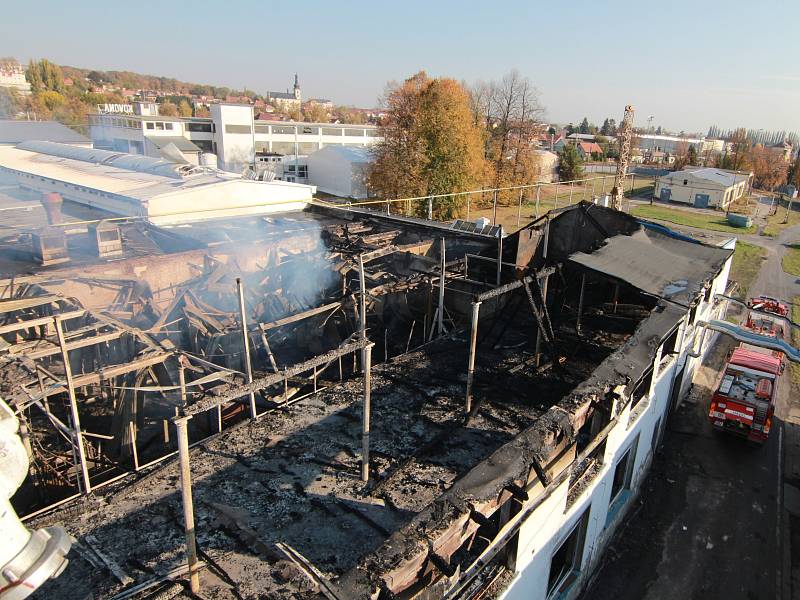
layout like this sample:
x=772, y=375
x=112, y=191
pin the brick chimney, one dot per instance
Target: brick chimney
x=52, y=206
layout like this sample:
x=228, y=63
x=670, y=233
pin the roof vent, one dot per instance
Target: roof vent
x=50, y=246
x=105, y=238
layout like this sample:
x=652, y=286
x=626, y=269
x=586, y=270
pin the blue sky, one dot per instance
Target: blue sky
x=690, y=64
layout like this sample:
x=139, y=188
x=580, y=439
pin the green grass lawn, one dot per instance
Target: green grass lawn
x=796, y=340
x=689, y=218
x=791, y=260
x=747, y=260
x=775, y=222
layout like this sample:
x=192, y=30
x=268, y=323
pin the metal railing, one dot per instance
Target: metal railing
x=541, y=195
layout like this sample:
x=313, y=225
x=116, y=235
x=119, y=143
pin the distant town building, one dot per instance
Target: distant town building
x=703, y=187
x=12, y=76
x=589, y=150
x=287, y=100
x=323, y=102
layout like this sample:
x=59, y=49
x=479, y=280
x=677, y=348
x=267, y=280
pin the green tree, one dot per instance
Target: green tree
x=430, y=144
x=570, y=165
x=584, y=126
x=184, y=108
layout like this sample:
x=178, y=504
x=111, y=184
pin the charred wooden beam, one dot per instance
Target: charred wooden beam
x=231, y=393
x=510, y=287
x=299, y=316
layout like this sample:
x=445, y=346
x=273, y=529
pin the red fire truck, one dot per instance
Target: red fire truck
x=745, y=400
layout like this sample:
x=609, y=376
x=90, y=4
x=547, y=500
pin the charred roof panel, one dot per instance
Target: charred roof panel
x=656, y=264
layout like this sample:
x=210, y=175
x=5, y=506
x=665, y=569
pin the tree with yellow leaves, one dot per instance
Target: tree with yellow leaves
x=430, y=144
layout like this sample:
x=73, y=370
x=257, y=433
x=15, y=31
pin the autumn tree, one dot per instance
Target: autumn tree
x=168, y=109
x=430, y=144
x=44, y=75
x=315, y=113
x=511, y=116
x=769, y=167
x=347, y=114
x=570, y=165
x=184, y=108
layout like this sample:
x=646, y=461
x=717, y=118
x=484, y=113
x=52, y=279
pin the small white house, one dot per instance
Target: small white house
x=340, y=170
x=703, y=187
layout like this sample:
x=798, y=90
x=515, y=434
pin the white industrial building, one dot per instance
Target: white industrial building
x=231, y=134
x=703, y=187
x=340, y=171
x=136, y=186
x=649, y=143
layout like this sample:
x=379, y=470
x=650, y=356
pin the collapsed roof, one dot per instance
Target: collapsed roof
x=279, y=504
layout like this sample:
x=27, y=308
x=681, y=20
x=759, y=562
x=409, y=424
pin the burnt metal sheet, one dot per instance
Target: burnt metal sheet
x=656, y=264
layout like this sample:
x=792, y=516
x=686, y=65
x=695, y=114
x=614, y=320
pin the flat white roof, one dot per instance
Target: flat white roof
x=194, y=197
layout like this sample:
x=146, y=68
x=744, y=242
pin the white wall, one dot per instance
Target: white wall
x=543, y=532
x=234, y=150
x=333, y=174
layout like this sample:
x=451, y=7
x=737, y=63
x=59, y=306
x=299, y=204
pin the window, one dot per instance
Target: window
x=283, y=129
x=685, y=182
x=372, y=133
x=354, y=132
x=168, y=126
x=311, y=130
x=151, y=125
x=159, y=125
x=656, y=434
x=200, y=127
x=262, y=129
x=566, y=560
x=238, y=129
x=331, y=131
x=623, y=472
x=670, y=345
x=642, y=389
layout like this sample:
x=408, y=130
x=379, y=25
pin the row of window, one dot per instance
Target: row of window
x=566, y=560
x=160, y=125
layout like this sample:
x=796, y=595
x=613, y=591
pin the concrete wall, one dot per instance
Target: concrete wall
x=718, y=196
x=638, y=429
x=234, y=150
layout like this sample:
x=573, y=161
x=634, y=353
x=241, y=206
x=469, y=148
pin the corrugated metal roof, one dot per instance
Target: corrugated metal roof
x=14, y=132
x=130, y=162
x=719, y=177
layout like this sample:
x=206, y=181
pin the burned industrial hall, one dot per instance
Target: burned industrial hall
x=332, y=402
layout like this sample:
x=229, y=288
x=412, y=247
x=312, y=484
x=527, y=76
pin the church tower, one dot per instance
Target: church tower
x=297, y=87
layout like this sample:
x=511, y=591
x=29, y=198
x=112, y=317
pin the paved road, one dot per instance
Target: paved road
x=717, y=519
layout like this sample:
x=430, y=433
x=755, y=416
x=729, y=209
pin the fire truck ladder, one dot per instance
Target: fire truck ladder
x=763, y=313
x=741, y=334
